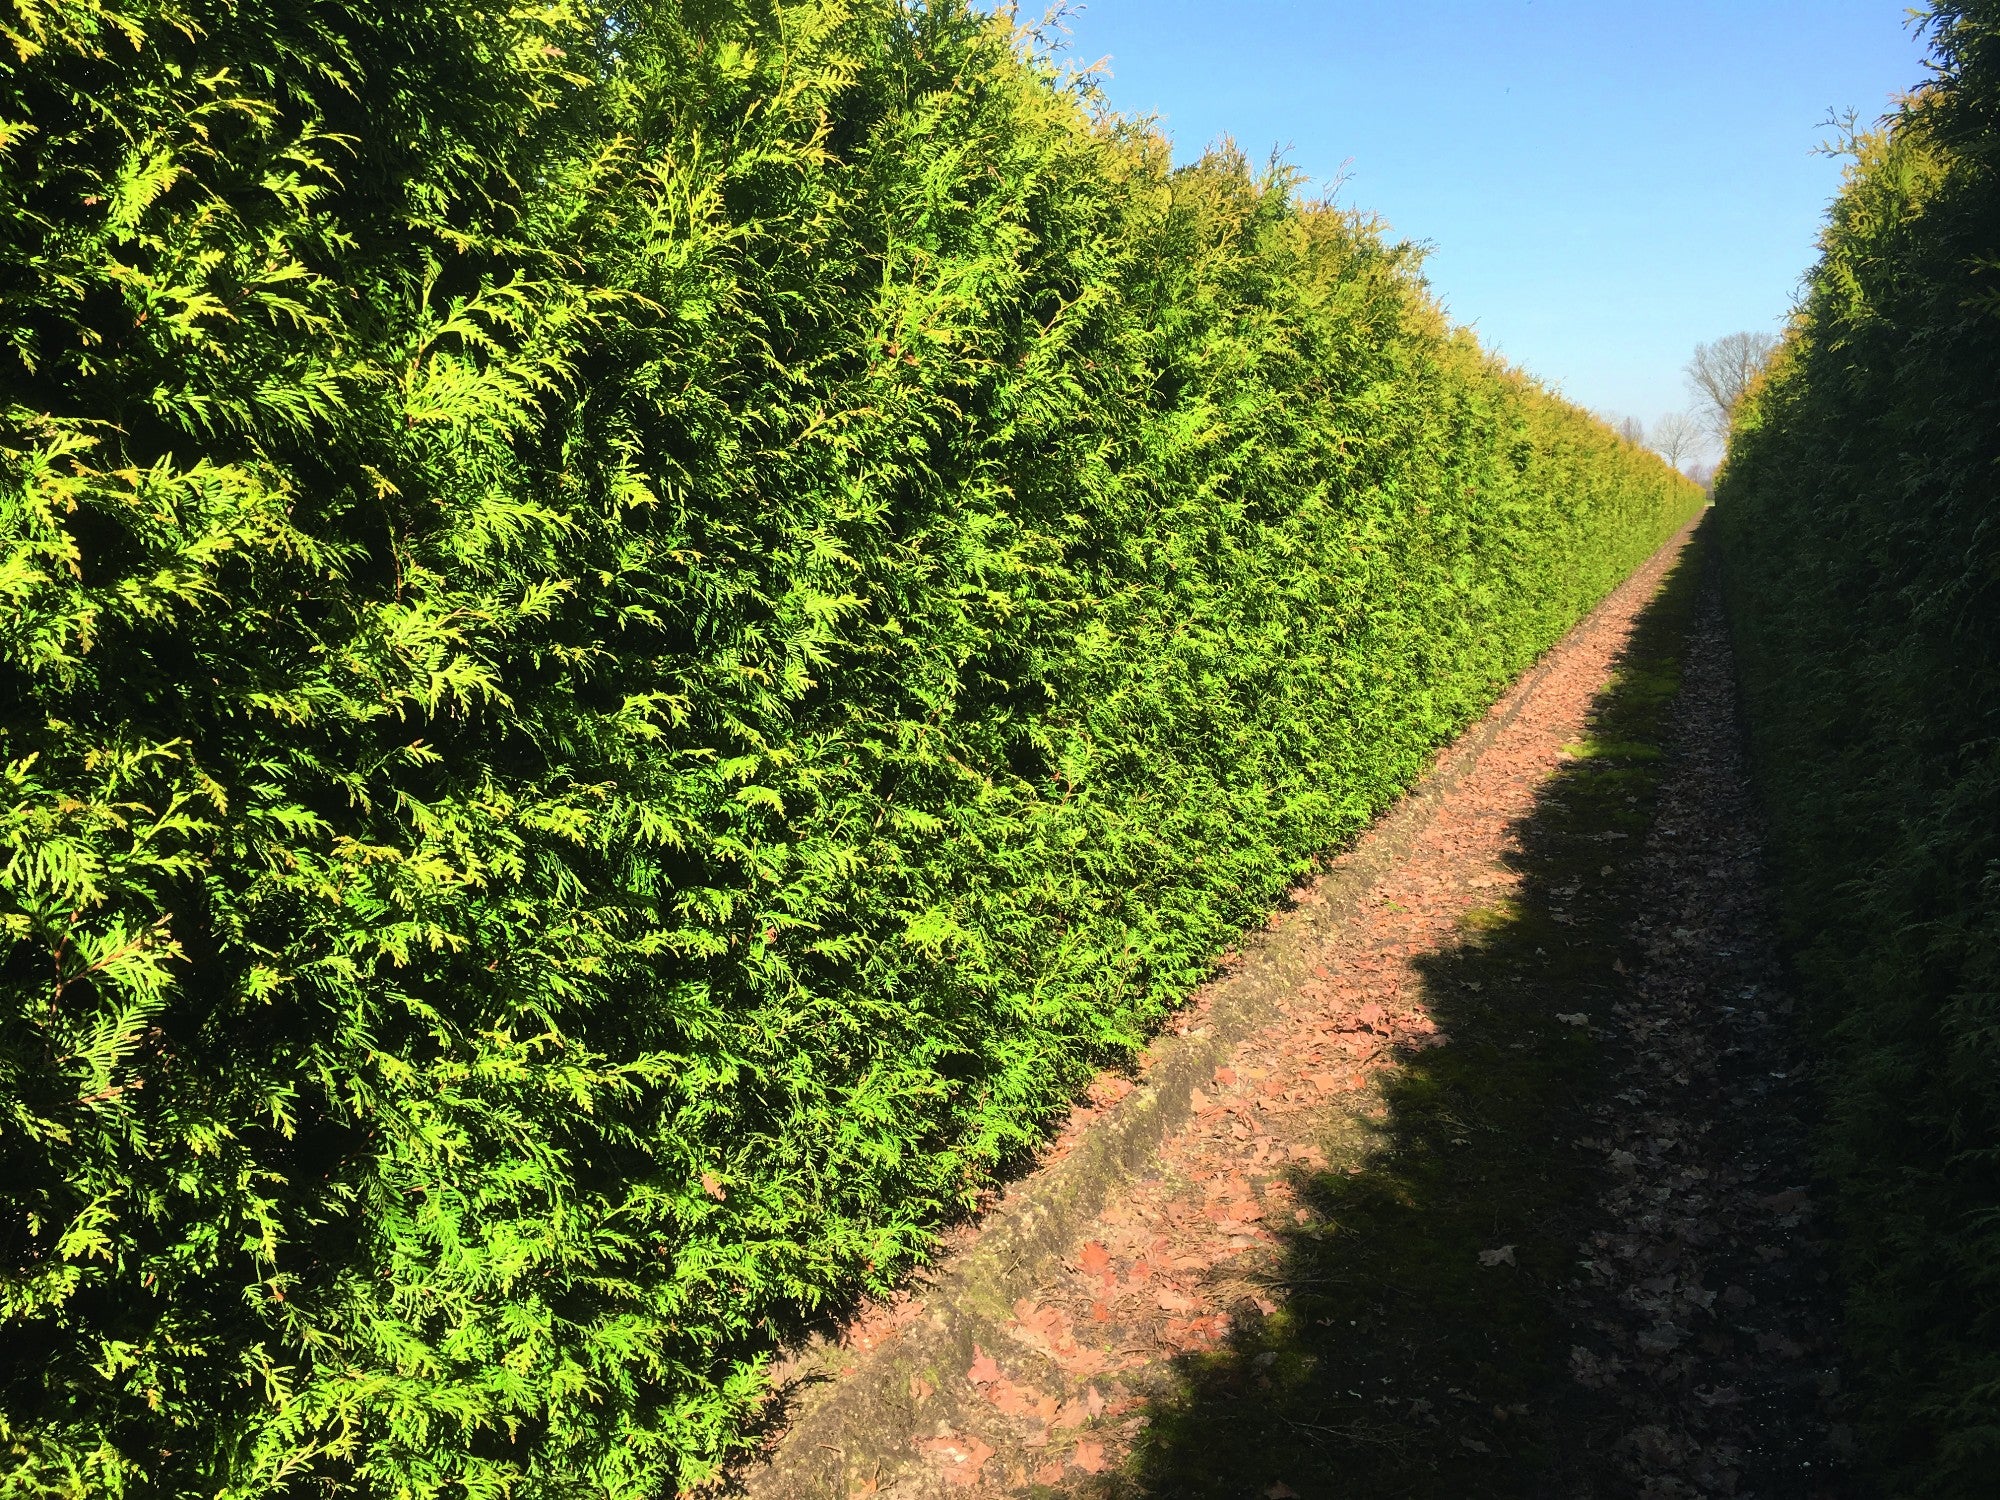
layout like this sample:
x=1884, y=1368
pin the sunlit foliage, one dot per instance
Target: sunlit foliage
x=633, y=636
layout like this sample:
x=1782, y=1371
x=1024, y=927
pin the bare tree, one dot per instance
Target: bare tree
x=1721, y=372
x=1633, y=431
x=1677, y=436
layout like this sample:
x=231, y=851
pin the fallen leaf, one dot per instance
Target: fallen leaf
x=985, y=1369
x=1082, y=1363
x=961, y=1458
x=1015, y=1401
x=1662, y=1338
x=1095, y=1258
x=1089, y=1457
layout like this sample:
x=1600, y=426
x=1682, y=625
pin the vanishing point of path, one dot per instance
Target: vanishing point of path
x=1496, y=1184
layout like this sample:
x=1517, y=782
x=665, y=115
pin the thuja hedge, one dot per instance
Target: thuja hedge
x=1859, y=509
x=632, y=639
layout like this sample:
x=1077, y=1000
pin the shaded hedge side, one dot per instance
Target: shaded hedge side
x=1858, y=510
x=633, y=639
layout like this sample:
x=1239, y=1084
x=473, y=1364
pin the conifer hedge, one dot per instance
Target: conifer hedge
x=1858, y=510
x=633, y=637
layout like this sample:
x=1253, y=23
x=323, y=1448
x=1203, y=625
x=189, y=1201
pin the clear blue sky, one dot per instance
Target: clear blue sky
x=1603, y=183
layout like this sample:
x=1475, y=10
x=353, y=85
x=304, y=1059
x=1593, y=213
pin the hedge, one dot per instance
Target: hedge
x=1858, y=511
x=634, y=638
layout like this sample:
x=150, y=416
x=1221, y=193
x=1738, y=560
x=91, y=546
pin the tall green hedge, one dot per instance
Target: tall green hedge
x=1860, y=510
x=633, y=637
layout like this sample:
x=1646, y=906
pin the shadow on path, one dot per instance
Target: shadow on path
x=1429, y=1307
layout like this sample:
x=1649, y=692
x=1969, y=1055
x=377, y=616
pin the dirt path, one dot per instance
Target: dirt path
x=1491, y=1182
x=1708, y=1310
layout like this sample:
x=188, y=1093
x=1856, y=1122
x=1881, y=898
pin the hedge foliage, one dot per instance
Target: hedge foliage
x=1859, y=508
x=634, y=637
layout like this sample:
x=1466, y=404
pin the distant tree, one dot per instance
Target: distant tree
x=1633, y=431
x=1721, y=372
x=1677, y=437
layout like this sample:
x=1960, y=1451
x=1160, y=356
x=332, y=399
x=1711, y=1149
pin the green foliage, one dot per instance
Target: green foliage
x=633, y=639
x=1858, y=509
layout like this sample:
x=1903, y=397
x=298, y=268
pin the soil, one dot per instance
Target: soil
x=1506, y=1191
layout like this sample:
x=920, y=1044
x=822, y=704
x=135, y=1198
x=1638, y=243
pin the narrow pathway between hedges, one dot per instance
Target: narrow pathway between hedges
x=1505, y=1193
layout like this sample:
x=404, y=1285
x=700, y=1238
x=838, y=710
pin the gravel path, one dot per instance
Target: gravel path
x=1507, y=1197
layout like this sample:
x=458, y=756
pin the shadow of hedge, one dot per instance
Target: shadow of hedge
x=1401, y=1363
